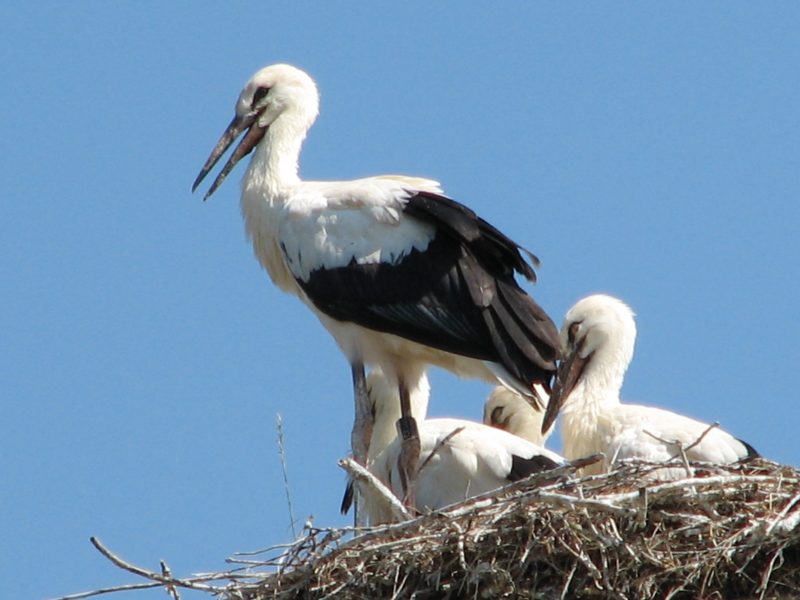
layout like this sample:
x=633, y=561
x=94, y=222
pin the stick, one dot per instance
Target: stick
x=187, y=583
x=110, y=590
x=438, y=446
x=364, y=477
x=282, y=454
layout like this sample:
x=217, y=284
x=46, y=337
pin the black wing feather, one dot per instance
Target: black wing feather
x=525, y=467
x=530, y=318
x=488, y=242
x=458, y=295
x=751, y=452
x=348, y=498
x=518, y=334
x=420, y=298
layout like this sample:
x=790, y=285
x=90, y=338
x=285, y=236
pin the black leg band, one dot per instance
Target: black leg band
x=407, y=428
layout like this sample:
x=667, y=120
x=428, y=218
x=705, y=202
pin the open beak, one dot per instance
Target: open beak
x=255, y=132
x=569, y=372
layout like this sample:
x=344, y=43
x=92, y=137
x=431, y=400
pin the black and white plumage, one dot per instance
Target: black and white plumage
x=599, y=333
x=452, y=466
x=400, y=275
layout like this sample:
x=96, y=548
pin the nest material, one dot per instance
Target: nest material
x=729, y=532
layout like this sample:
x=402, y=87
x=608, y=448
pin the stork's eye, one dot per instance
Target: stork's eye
x=259, y=95
x=572, y=332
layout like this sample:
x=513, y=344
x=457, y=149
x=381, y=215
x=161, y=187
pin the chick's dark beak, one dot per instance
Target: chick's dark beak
x=568, y=374
x=255, y=132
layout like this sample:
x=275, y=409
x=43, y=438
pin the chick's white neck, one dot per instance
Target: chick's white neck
x=585, y=411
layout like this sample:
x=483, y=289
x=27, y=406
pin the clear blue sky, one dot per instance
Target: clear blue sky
x=647, y=150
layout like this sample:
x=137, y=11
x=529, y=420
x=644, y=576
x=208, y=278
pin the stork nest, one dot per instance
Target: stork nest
x=727, y=532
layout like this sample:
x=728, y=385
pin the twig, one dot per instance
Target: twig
x=367, y=479
x=781, y=515
x=682, y=451
x=568, y=579
x=282, y=454
x=462, y=559
x=683, y=484
x=186, y=583
x=339, y=530
x=579, y=463
x=714, y=425
x=164, y=579
x=641, y=513
x=110, y=590
x=166, y=572
x=573, y=503
x=441, y=443
x=580, y=555
x=535, y=481
x=763, y=586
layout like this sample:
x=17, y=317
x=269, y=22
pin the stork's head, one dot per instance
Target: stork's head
x=511, y=412
x=275, y=94
x=598, y=336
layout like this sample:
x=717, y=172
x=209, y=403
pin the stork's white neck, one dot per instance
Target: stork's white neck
x=274, y=166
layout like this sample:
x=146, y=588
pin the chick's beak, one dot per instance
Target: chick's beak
x=567, y=377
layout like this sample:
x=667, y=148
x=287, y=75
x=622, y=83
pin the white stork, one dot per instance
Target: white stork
x=599, y=334
x=507, y=410
x=459, y=458
x=400, y=275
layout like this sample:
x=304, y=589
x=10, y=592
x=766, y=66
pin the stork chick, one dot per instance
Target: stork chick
x=599, y=333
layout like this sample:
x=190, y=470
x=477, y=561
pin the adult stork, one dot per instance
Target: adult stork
x=599, y=333
x=399, y=274
x=505, y=409
x=459, y=458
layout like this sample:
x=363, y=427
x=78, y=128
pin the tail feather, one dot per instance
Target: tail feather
x=348, y=498
x=751, y=452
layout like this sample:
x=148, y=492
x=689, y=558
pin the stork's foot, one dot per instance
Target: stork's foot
x=409, y=458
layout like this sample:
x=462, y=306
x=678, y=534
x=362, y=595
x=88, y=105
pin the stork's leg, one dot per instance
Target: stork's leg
x=364, y=419
x=362, y=431
x=409, y=447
